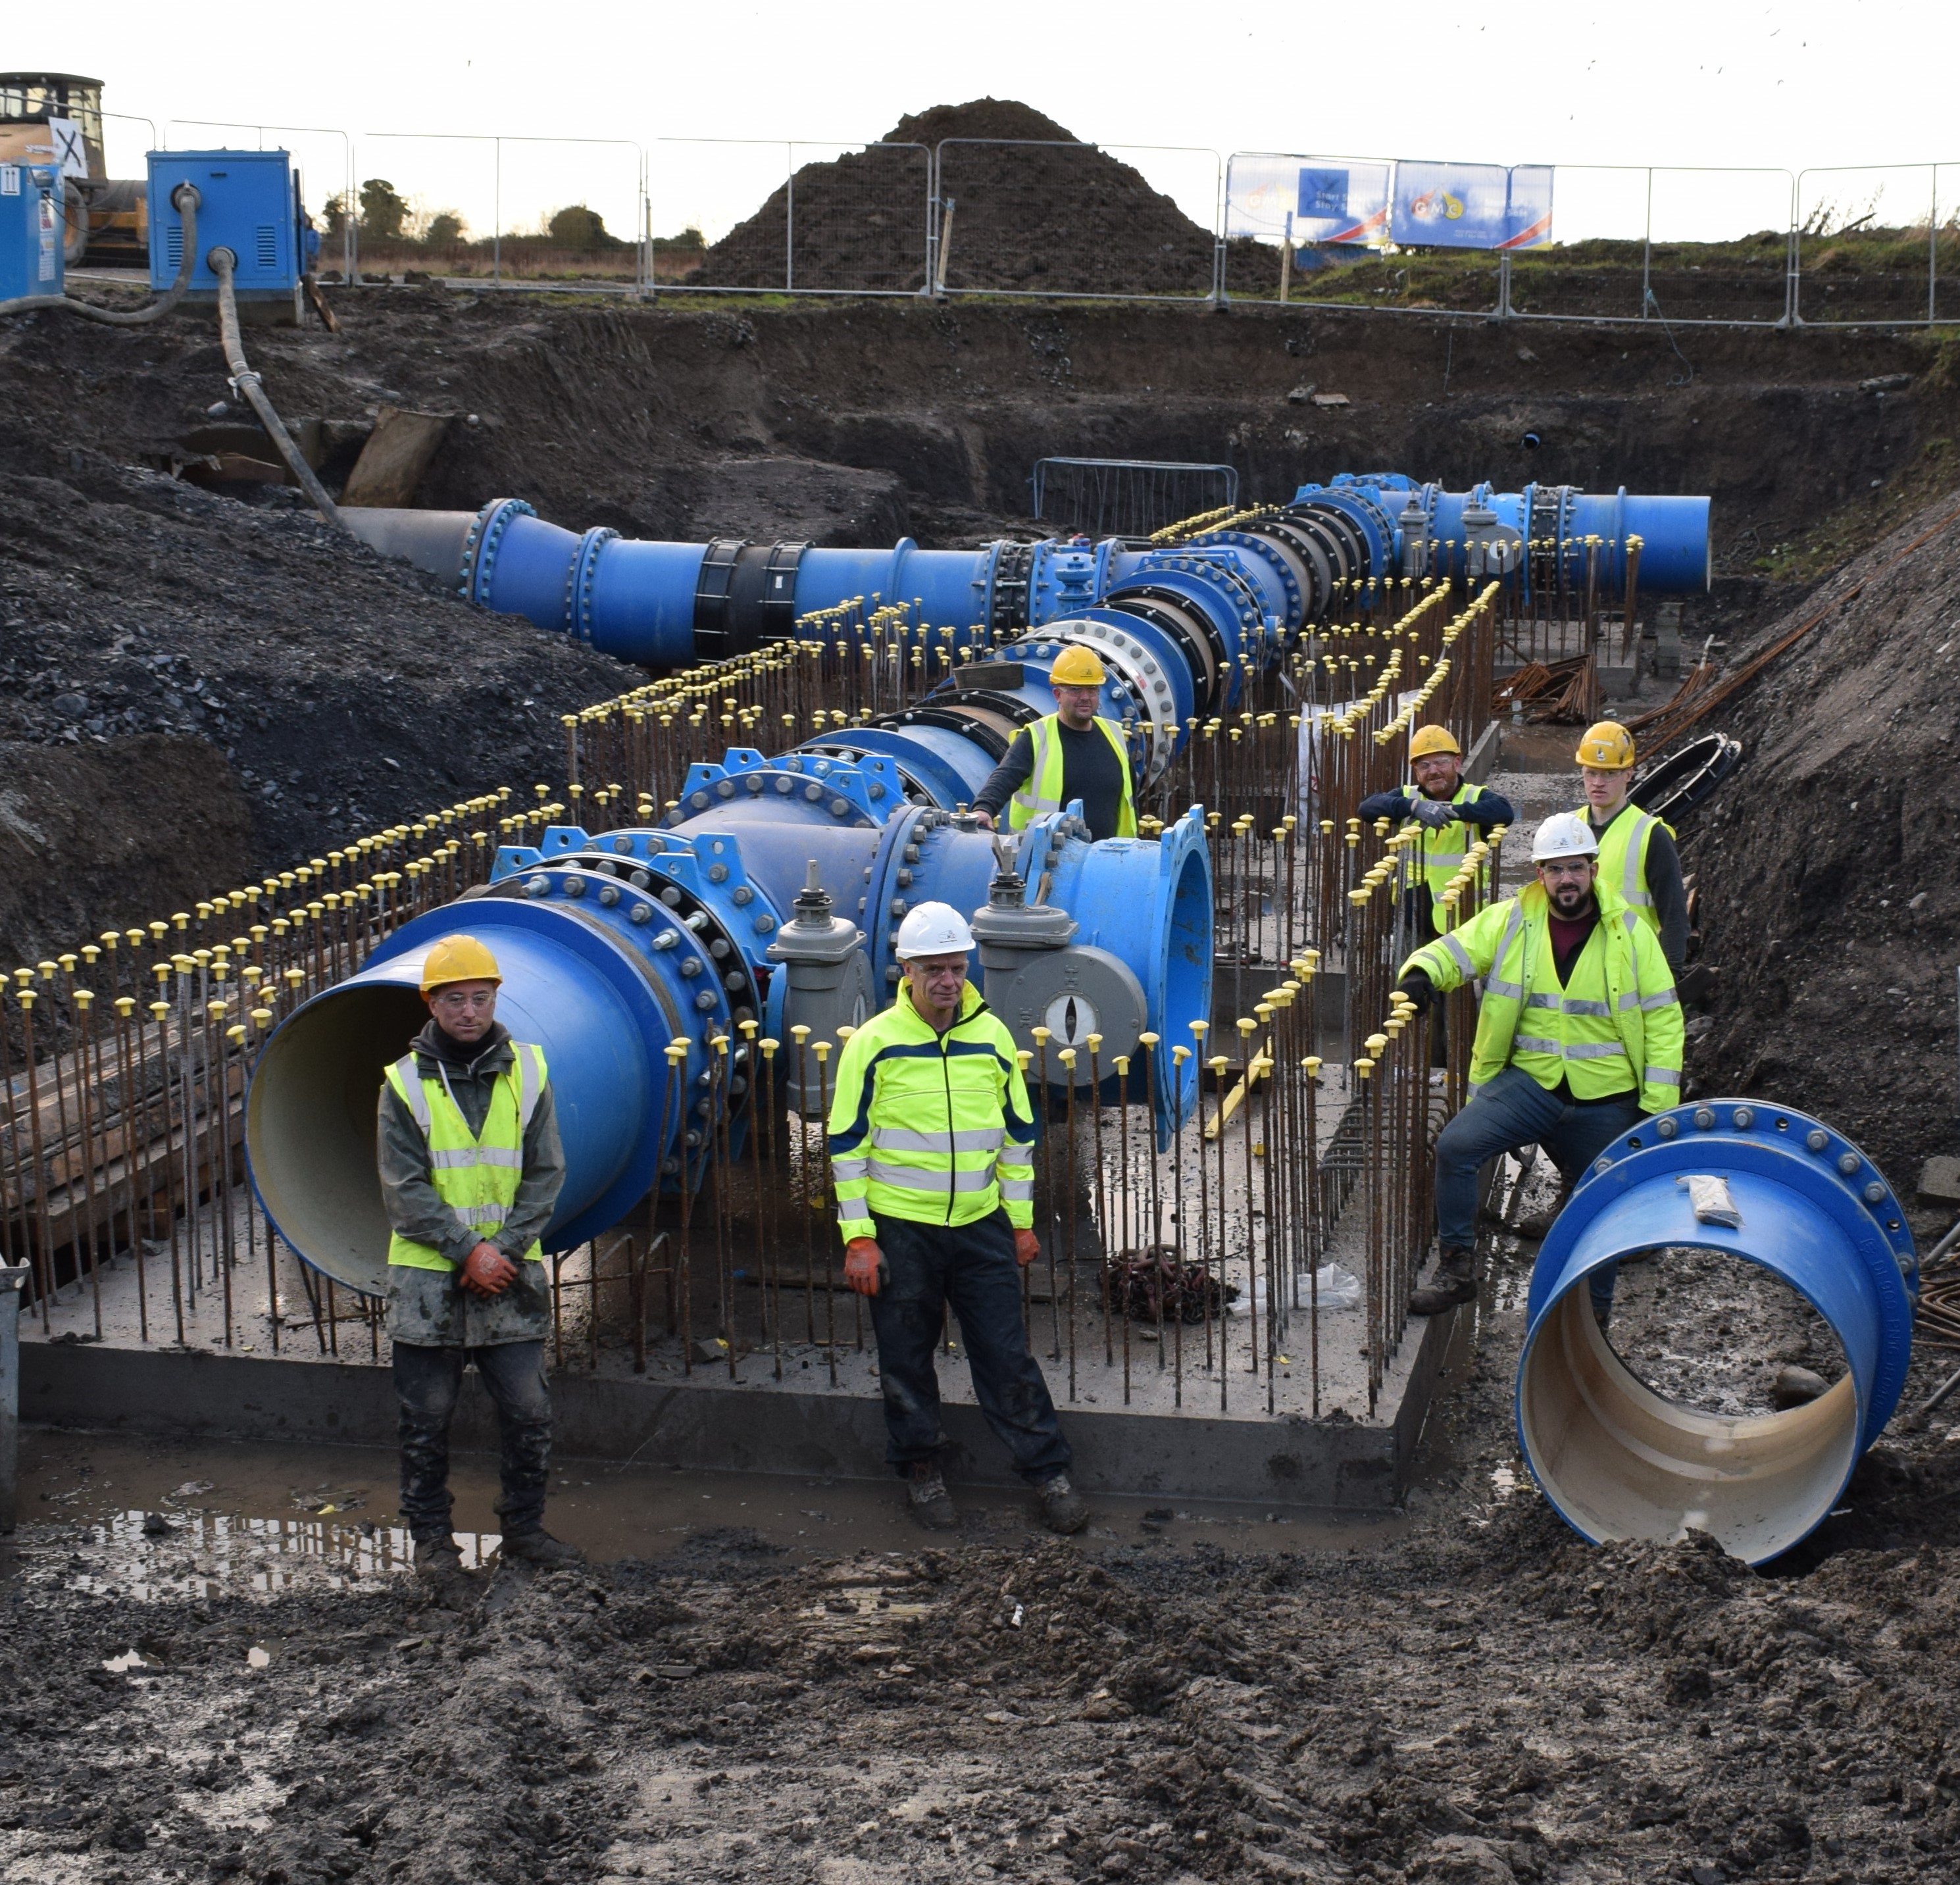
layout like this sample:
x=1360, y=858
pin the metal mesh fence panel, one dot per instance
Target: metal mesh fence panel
x=1873, y=242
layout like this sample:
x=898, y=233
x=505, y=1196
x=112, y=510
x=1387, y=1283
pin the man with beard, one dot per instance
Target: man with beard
x=1579, y=1037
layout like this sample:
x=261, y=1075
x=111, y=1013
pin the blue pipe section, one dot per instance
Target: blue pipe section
x=1618, y=1461
x=663, y=604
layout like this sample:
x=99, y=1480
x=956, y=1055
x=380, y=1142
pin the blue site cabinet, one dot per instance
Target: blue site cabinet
x=250, y=205
x=30, y=230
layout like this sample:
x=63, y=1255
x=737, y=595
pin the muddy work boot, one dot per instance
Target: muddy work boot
x=440, y=1572
x=927, y=1500
x=1064, y=1509
x=1454, y=1283
x=1535, y=1225
x=540, y=1547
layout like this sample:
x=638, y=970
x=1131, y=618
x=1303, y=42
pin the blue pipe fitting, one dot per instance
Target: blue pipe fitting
x=1618, y=1461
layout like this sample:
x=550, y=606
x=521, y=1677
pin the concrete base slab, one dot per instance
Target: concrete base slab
x=707, y=1421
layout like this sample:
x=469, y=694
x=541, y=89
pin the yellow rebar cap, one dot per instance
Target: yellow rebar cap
x=458, y=959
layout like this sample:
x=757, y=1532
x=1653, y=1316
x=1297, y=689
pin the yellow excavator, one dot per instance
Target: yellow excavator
x=56, y=117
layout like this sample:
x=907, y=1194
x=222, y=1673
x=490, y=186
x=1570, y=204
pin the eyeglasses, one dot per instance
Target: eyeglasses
x=457, y=1003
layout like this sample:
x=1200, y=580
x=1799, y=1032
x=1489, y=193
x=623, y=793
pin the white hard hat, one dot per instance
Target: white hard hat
x=1564, y=835
x=934, y=929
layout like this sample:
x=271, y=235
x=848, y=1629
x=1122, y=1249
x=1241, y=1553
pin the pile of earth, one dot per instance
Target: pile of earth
x=194, y=691
x=1824, y=868
x=1035, y=209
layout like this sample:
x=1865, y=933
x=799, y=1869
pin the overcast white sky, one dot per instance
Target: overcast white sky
x=1664, y=83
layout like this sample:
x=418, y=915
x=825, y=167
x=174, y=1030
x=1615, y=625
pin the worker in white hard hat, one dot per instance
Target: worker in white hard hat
x=1579, y=1037
x=1636, y=850
x=1071, y=753
x=932, y=1148
x=471, y=1166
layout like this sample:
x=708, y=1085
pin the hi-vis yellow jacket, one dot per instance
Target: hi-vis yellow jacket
x=1614, y=1025
x=933, y=1128
x=478, y=1178
x=1041, y=790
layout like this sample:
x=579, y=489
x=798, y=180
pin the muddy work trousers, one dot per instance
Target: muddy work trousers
x=971, y=1267
x=1511, y=1112
x=427, y=1381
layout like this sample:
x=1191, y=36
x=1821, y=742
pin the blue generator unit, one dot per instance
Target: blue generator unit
x=30, y=230
x=249, y=203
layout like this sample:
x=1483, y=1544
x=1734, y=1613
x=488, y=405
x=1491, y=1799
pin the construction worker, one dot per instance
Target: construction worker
x=932, y=1148
x=1069, y=754
x=1446, y=808
x=1636, y=851
x=471, y=1166
x=1579, y=1037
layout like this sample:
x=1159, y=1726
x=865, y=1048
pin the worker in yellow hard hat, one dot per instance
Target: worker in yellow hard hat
x=1446, y=808
x=1069, y=754
x=471, y=1166
x=1636, y=851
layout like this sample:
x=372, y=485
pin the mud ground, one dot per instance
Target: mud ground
x=1480, y=1699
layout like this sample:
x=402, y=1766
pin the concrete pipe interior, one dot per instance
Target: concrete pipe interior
x=311, y=1126
x=1621, y=1460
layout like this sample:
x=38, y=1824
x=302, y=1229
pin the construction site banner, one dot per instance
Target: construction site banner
x=1471, y=206
x=1315, y=200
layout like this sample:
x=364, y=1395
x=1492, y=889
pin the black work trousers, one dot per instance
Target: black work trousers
x=971, y=1267
x=427, y=1381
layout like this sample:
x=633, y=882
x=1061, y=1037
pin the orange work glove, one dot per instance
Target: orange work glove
x=864, y=1268
x=1027, y=1247
x=487, y=1271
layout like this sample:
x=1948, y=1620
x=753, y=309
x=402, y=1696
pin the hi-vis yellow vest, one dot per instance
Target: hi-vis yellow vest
x=1041, y=792
x=477, y=1178
x=1443, y=850
x=1623, y=857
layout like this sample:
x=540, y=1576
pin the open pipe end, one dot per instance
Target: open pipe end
x=1620, y=1461
x=310, y=1128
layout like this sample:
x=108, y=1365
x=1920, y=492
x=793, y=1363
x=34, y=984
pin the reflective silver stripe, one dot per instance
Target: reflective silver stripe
x=1535, y=1000
x=411, y=1082
x=1458, y=954
x=1630, y=878
x=470, y=1216
x=530, y=1082
x=846, y=1215
x=850, y=1171
x=1629, y=1001
x=1513, y=924
x=1570, y=1006
x=1015, y=1190
x=907, y=1178
x=1596, y=1050
x=1532, y=1044
x=465, y=1157
x=1665, y=1000
x=1515, y=990
x=899, y=1138
x=1438, y=860
x=1662, y=1077
x=1039, y=740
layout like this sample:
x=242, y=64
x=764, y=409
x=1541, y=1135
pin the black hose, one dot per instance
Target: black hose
x=244, y=380
x=185, y=200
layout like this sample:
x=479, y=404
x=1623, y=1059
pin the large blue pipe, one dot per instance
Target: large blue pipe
x=1771, y=1186
x=665, y=605
x=619, y=947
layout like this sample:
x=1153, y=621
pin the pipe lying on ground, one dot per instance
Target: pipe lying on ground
x=1621, y=1461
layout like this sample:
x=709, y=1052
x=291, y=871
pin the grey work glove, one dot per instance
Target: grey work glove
x=1435, y=813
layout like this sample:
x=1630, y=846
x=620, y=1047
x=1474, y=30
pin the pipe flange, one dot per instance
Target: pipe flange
x=860, y=793
x=579, y=580
x=1007, y=594
x=481, y=545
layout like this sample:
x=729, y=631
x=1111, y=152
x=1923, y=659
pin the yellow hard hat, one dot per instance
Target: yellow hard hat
x=458, y=959
x=1608, y=746
x=1076, y=666
x=1432, y=740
